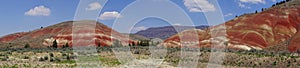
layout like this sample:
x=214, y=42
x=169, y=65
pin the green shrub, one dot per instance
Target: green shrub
x=57, y=59
x=67, y=62
x=52, y=59
x=41, y=59
x=274, y=63
x=68, y=57
x=51, y=54
x=64, y=54
x=26, y=57
x=46, y=57
x=5, y=58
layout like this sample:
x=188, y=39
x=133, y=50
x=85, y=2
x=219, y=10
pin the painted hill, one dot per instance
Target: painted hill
x=267, y=29
x=62, y=33
x=165, y=32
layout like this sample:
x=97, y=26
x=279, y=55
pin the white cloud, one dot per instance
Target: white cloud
x=242, y=3
x=273, y=0
x=253, y=1
x=110, y=15
x=94, y=6
x=177, y=24
x=140, y=28
x=39, y=11
x=199, y=5
x=243, y=6
x=228, y=14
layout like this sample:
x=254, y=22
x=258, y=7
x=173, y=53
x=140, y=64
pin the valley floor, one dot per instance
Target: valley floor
x=66, y=58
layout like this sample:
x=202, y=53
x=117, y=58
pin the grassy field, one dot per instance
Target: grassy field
x=66, y=58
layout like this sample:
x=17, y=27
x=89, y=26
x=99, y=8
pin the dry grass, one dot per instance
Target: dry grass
x=30, y=58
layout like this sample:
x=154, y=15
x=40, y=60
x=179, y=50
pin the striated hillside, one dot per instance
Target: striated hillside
x=62, y=33
x=269, y=28
x=12, y=37
x=165, y=32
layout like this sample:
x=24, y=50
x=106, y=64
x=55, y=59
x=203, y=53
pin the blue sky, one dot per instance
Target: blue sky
x=27, y=15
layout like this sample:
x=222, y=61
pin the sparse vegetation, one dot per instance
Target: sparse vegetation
x=252, y=58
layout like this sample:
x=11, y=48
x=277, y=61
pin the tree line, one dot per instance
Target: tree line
x=277, y=3
x=54, y=45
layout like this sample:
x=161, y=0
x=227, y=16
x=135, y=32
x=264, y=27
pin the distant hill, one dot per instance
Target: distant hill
x=276, y=29
x=166, y=31
x=62, y=33
x=136, y=37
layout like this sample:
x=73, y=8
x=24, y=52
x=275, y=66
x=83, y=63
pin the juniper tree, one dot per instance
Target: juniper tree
x=54, y=44
x=99, y=45
x=66, y=45
x=27, y=46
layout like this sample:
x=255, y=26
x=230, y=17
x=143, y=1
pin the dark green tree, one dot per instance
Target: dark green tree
x=129, y=44
x=54, y=44
x=99, y=45
x=144, y=42
x=132, y=43
x=68, y=57
x=27, y=45
x=147, y=42
x=67, y=45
